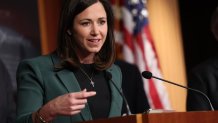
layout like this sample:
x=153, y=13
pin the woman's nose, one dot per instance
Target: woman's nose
x=95, y=29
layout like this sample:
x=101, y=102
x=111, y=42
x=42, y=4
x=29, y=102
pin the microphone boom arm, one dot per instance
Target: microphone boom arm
x=188, y=89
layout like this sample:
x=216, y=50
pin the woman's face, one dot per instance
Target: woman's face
x=90, y=29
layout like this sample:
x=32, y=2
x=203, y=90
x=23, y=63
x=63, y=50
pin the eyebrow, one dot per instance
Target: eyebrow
x=91, y=19
x=103, y=18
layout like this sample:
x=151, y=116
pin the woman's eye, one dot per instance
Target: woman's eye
x=102, y=22
x=85, y=23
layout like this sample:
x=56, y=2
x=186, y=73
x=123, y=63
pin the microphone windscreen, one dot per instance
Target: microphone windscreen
x=147, y=74
x=108, y=75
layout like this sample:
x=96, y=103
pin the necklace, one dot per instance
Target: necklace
x=89, y=77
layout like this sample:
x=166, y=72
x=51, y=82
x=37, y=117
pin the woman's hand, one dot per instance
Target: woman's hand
x=68, y=104
x=72, y=103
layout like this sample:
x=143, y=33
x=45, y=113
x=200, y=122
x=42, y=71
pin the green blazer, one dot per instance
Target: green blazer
x=39, y=83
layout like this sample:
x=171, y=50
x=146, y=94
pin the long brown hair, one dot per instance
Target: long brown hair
x=66, y=43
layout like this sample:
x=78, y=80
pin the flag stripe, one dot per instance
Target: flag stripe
x=152, y=89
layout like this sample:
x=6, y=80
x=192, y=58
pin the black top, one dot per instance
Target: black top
x=204, y=77
x=100, y=103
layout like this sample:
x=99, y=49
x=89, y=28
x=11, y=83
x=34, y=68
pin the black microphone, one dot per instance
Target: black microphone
x=148, y=75
x=109, y=77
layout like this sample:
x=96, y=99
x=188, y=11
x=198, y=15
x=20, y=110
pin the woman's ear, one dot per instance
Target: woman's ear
x=69, y=32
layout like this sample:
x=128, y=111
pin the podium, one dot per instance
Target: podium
x=169, y=117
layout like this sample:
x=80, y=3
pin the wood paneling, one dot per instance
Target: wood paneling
x=49, y=11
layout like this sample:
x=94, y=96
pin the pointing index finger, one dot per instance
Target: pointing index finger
x=85, y=94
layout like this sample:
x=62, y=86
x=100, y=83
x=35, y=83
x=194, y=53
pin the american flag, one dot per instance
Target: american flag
x=132, y=31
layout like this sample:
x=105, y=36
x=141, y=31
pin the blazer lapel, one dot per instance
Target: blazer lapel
x=116, y=99
x=71, y=84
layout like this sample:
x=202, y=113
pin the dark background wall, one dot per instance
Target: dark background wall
x=199, y=42
x=22, y=17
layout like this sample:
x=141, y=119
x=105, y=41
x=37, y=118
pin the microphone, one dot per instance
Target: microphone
x=109, y=77
x=148, y=75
